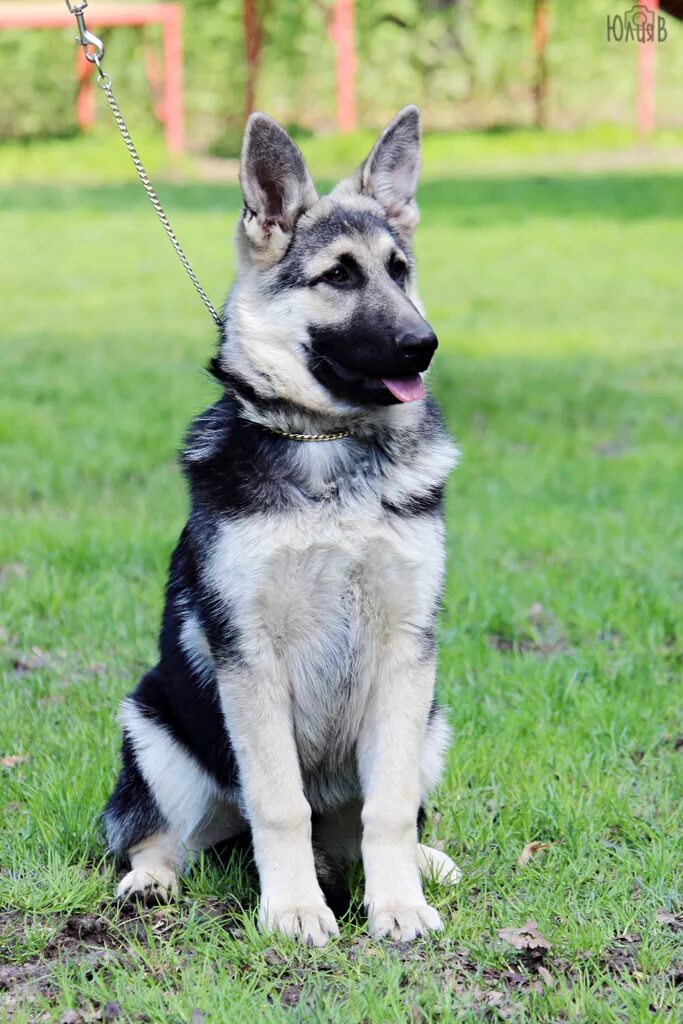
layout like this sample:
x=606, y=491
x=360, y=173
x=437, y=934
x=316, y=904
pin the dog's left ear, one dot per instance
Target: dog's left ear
x=276, y=187
x=392, y=170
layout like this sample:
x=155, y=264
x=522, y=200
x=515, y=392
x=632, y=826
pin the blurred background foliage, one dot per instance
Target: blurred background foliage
x=468, y=63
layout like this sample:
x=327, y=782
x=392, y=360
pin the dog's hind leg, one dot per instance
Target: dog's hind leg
x=138, y=831
x=339, y=835
x=433, y=864
x=165, y=808
x=155, y=866
x=158, y=861
x=437, y=866
x=336, y=844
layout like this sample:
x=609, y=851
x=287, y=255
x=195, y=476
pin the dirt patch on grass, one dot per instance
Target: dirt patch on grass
x=541, y=637
x=526, y=964
x=463, y=981
x=87, y=938
x=527, y=645
x=93, y=940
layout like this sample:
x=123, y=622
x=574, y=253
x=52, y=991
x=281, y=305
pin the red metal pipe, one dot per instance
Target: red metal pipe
x=342, y=33
x=168, y=15
x=173, y=81
x=645, y=117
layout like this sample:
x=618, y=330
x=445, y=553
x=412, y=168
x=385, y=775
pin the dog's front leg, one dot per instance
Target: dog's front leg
x=259, y=718
x=389, y=763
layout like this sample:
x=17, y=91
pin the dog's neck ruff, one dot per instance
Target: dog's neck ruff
x=309, y=437
x=263, y=411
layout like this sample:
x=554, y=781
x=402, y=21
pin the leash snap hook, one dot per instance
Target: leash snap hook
x=86, y=38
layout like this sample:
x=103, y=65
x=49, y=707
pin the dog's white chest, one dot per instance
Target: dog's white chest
x=317, y=595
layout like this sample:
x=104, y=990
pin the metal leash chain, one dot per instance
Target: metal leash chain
x=93, y=48
x=104, y=83
x=86, y=39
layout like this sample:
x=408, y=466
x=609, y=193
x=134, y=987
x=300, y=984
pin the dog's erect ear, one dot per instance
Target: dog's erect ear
x=276, y=186
x=392, y=170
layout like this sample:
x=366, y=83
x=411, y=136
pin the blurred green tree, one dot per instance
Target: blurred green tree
x=466, y=62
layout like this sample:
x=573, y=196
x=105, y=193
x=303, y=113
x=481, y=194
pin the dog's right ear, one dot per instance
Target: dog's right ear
x=276, y=187
x=391, y=171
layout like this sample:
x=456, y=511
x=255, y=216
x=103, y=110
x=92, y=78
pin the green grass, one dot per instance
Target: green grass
x=101, y=157
x=557, y=300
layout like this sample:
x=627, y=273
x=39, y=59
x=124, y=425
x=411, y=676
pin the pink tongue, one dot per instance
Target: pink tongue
x=406, y=389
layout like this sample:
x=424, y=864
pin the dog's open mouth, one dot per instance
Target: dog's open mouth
x=405, y=389
x=354, y=386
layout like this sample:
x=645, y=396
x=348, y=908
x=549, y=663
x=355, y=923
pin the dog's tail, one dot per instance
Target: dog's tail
x=331, y=875
x=333, y=882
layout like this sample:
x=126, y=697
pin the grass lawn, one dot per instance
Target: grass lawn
x=557, y=300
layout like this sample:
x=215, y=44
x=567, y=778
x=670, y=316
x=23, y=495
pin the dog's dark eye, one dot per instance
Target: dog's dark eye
x=336, y=275
x=398, y=269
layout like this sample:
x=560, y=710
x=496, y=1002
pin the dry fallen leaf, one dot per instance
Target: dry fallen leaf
x=545, y=976
x=514, y=979
x=529, y=850
x=12, y=760
x=674, y=921
x=526, y=937
x=290, y=995
x=494, y=997
x=22, y=664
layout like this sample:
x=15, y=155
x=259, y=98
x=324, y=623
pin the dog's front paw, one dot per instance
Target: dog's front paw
x=156, y=884
x=313, y=924
x=401, y=922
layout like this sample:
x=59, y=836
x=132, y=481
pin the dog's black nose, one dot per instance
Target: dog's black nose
x=416, y=344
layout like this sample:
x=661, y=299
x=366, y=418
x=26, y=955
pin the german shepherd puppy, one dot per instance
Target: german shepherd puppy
x=294, y=694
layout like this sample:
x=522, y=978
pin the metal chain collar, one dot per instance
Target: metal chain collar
x=93, y=48
x=311, y=437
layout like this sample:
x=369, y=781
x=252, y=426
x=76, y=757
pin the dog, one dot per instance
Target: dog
x=293, y=699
